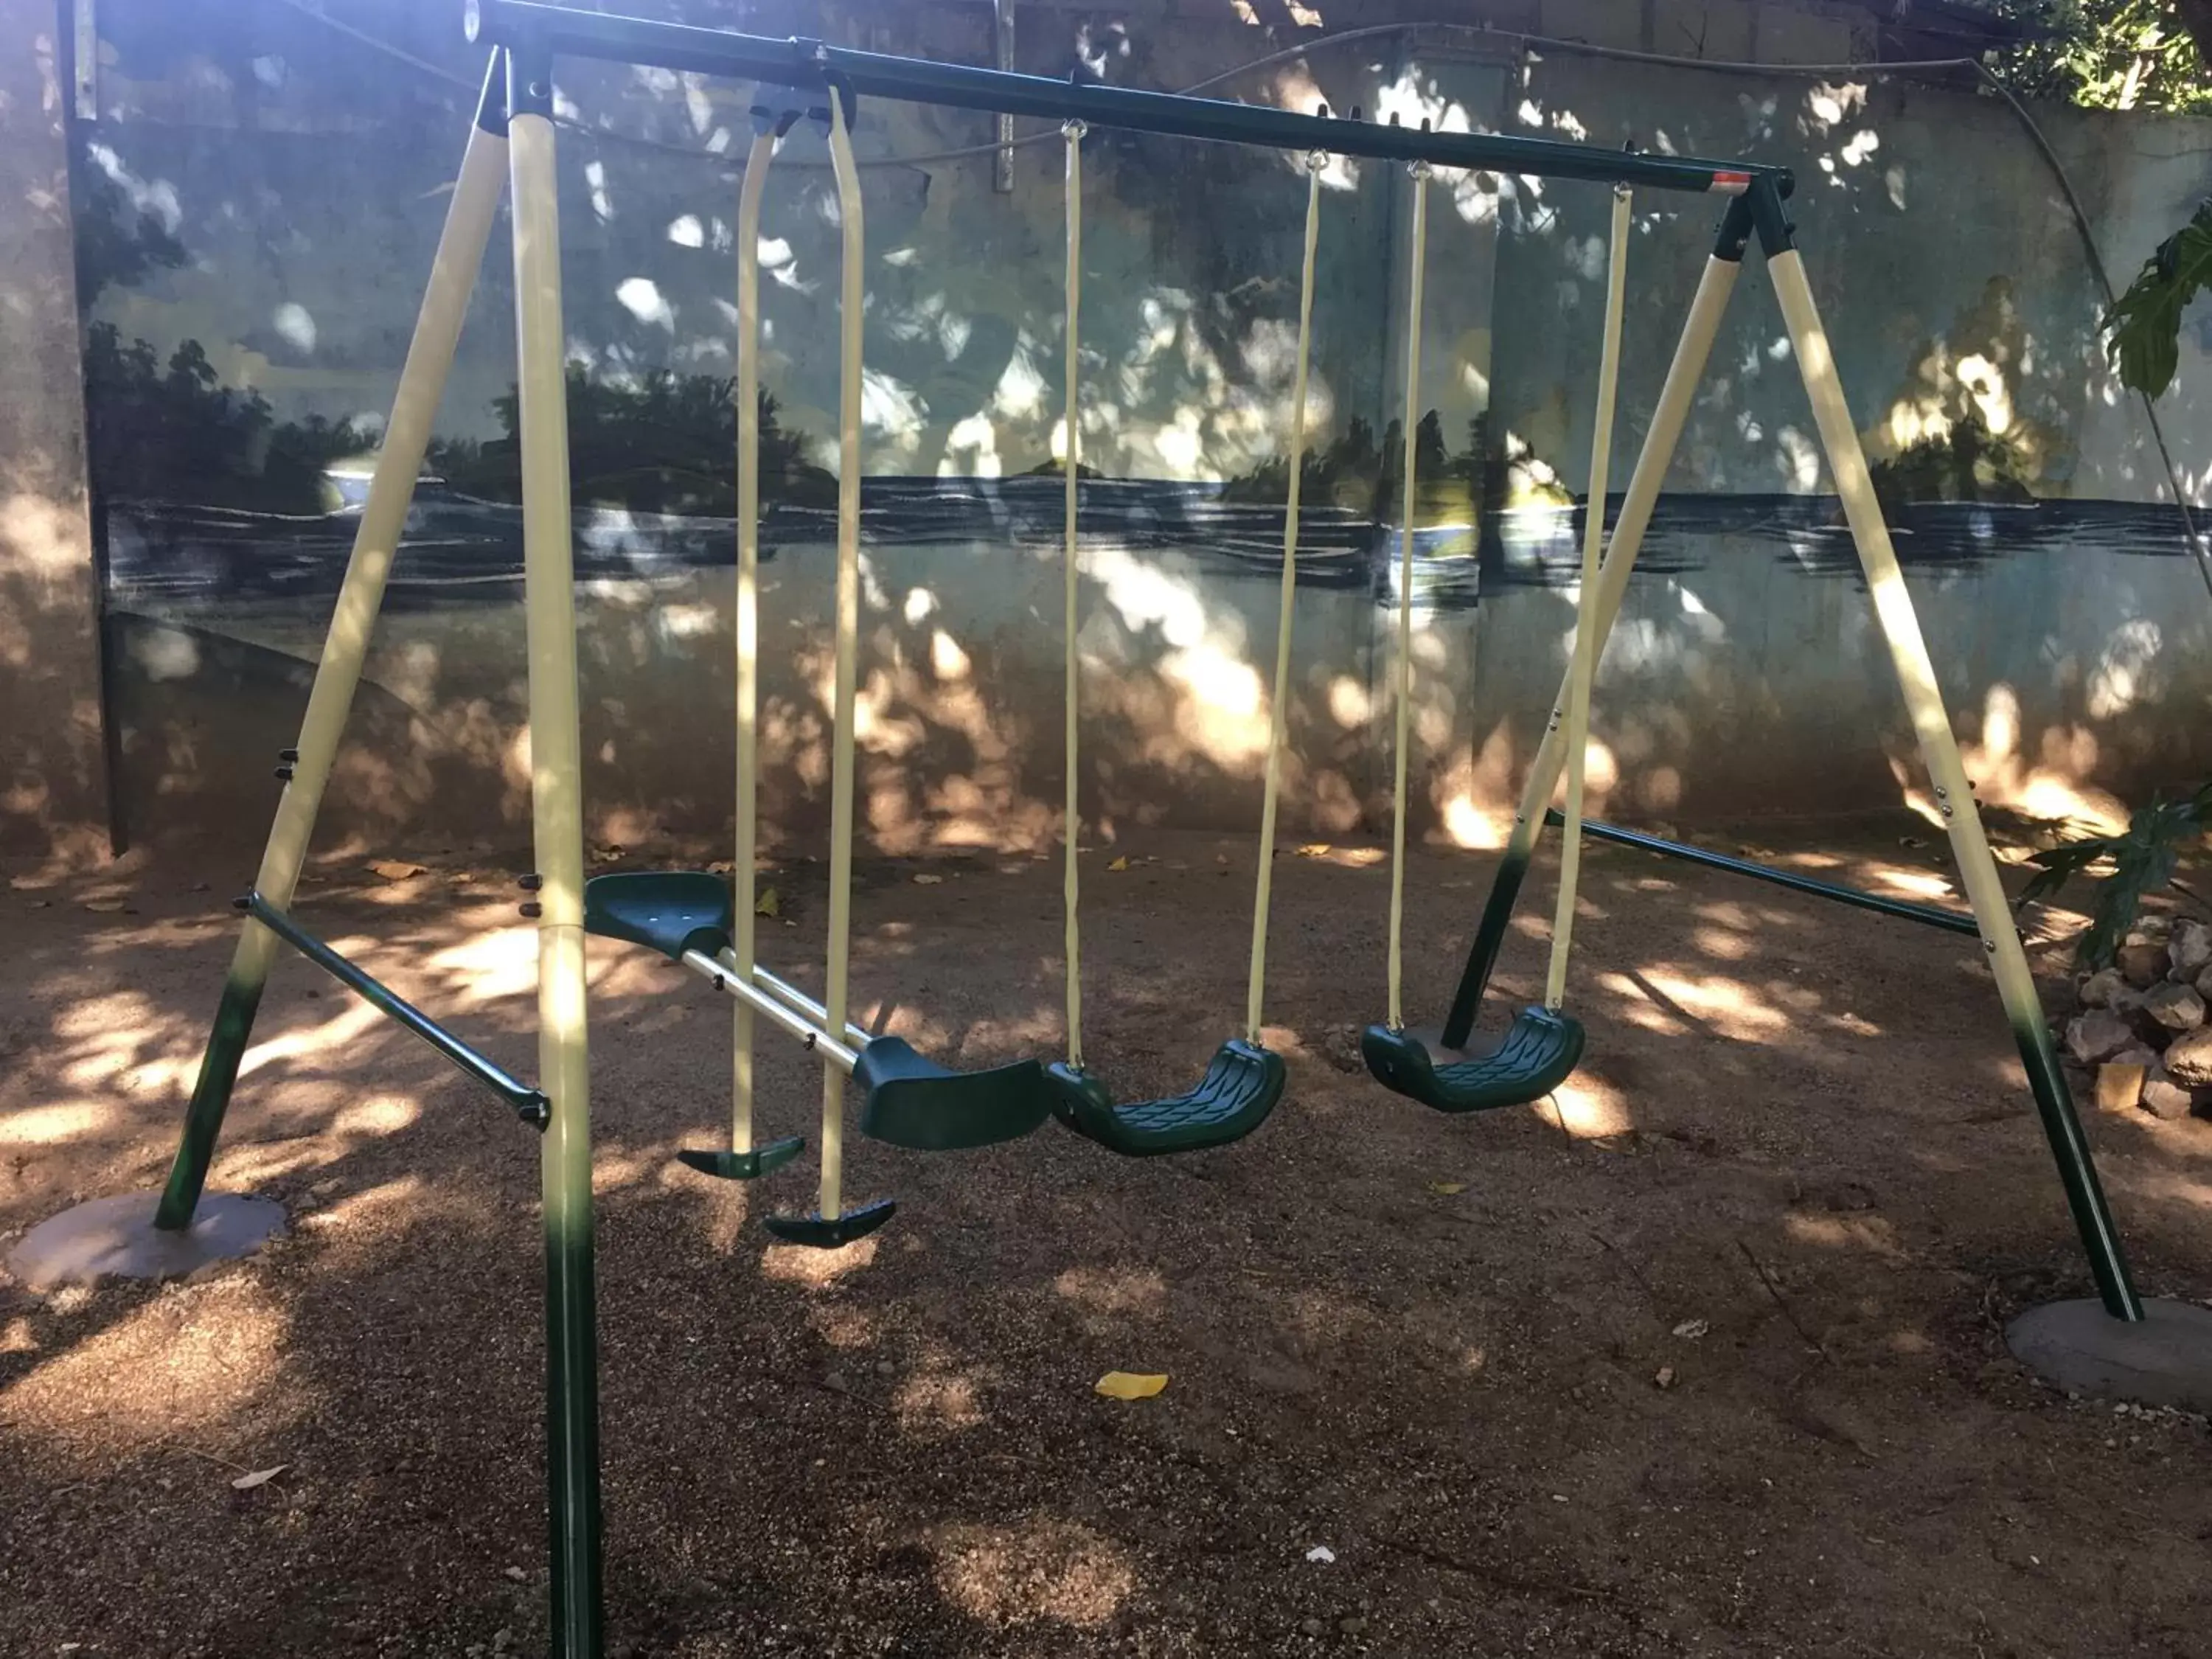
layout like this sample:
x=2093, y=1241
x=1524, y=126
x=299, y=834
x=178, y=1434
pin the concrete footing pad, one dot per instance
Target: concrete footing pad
x=116, y=1238
x=2164, y=1359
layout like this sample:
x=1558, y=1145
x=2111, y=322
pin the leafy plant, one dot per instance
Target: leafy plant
x=2143, y=330
x=2143, y=858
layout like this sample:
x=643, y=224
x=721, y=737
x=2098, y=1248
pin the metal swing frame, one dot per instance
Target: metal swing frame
x=512, y=144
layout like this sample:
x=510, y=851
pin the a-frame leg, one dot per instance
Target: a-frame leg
x=1600, y=610
x=557, y=795
x=1939, y=751
x=469, y=218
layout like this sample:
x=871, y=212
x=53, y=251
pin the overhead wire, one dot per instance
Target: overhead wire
x=1522, y=42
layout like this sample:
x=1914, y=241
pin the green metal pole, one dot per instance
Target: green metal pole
x=469, y=219
x=1599, y=610
x=556, y=784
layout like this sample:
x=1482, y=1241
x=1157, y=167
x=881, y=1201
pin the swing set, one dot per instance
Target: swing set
x=706, y=925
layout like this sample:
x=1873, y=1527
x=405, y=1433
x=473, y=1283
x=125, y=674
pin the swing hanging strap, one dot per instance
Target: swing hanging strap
x=1279, y=709
x=1584, y=666
x=1072, y=695
x=1411, y=421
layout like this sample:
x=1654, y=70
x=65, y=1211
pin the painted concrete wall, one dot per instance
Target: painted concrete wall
x=299, y=205
x=52, y=793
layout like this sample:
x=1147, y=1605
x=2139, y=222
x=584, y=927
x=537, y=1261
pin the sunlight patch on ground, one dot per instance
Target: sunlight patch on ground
x=1042, y=1568
x=798, y=1264
x=377, y=1115
x=1124, y=1291
x=178, y=1363
x=937, y=1399
x=48, y=1126
x=1870, y=1234
x=1591, y=1109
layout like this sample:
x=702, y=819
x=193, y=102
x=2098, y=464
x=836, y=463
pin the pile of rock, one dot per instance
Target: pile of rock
x=2142, y=1030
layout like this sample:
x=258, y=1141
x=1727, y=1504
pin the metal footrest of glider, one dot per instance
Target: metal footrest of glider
x=915, y=1103
x=744, y=1166
x=1240, y=1088
x=670, y=911
x=1539, y=1052
x=822, y=1232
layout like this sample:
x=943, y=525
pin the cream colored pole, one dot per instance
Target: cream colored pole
x=1279, y=705
x=469, y=218
x=1939, y=751
x=557, y=803
x=1404, y=685
x=1669, y=416
x=852, y=299
x=747, y=626
x=1070, y=596
x=1581, y=669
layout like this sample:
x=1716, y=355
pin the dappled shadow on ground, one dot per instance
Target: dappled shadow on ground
x=1460, y=1354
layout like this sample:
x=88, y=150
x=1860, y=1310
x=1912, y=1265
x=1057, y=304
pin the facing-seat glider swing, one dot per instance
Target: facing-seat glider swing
x=1540, y=1050
x=1245, y=1077
x=696, y=918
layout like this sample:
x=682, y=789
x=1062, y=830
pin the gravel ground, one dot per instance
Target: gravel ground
x=1704, y=1358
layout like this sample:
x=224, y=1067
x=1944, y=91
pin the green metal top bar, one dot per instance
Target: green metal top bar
x=557, y=31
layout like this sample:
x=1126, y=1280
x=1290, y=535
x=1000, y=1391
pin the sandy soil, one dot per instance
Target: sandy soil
x=1705, y=1359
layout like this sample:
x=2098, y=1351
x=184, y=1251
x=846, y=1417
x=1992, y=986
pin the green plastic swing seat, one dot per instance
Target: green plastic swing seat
x=1240, y=1087
x=912, y=1101
x=1539, y=1052
x=821, y=1232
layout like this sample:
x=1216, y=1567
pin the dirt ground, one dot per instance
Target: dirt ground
x=1704, y=1359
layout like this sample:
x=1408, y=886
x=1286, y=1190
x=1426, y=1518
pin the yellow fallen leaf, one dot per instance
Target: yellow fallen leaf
x=1446, y=1188
x=1131, y=1385
x=1121, y=863
x=928, y=880
x=396, y=869
x=1317, y=849
x=722, y=867
x=248, y=1481
x=106, y=907
x=767, y=904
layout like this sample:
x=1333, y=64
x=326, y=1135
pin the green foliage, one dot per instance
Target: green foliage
x=2143, y=858
x=2106, y=54
x=176, y=433
x=2143, y=330
x=658, y=442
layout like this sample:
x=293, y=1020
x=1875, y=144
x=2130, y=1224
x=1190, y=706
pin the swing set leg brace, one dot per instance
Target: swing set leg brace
x=1761, y=211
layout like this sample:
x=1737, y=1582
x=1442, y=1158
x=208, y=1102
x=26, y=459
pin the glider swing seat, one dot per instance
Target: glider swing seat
x=698, y=920
x=1245, y=1079
x=706, y=924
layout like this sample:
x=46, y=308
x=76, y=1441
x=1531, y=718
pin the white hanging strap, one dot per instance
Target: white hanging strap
x=1405, y=679
x=1584, y=667
x=1279, y=710
x=748, y=630
x=847, y=646
x=1072, y=820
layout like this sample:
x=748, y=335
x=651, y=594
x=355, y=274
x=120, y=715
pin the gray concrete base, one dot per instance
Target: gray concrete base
x=115, y=1238
x=2165, y=1359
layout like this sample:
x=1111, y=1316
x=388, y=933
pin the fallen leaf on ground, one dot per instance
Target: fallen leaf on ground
x=1322, y=1553
x=258, y=1477
x=1119, y=863
x=1693, y=1328
x=606, y=854
x=1911, y=841
x=767, y=904
x=106, y=907
x=722, y=867
x=1446, y=1188
x=1317, y=849
x=396, y=869
x=1664, y=1377
x=928, y=880
x=1131, y=1385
